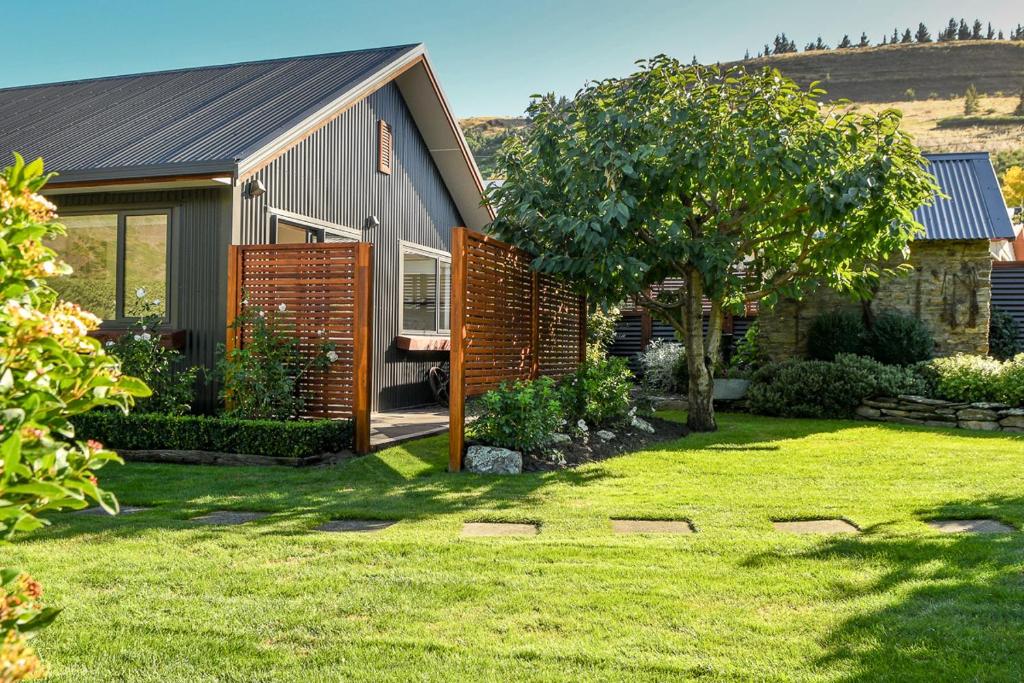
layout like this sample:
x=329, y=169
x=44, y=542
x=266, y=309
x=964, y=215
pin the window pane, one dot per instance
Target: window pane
x=419, y=292
x=90, y=247
x=446, y=295
x=145, y=265
x=291, y=234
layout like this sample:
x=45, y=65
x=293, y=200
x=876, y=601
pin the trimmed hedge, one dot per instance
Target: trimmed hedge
x=138, y=431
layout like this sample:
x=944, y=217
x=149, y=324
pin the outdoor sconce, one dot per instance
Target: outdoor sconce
x=371, y=223
x=255, y=188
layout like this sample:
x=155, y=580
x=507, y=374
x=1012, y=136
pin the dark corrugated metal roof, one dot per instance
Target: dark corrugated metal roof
x=975, y=208
x=192, y=118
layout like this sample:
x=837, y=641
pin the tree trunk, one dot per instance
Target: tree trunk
x=701, y=413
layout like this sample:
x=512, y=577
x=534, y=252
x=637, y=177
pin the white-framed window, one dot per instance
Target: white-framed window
x=425, y=277
x=116, y=256
x=292, y=228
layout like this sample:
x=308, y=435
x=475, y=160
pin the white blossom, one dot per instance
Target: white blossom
x=137, y=337
x=282, y=308
x=156, y=302
x=109, y=343
x=582, y=426
x=140, y=293
x=332, y=356
x=146, y=336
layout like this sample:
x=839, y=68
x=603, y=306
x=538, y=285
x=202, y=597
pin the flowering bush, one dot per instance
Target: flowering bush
x=521, y=415
x=50, y=370
x=21, y=615
x=978, y=378
x=598, y=392
x=143, y=355
x=260, y=380
x=661, y=364
x=601, y=325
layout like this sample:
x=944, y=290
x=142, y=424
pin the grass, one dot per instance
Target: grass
x=151, y=597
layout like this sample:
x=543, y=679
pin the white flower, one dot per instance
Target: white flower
x=146, y=336
x=109, y=343
x=282, y=308
x=263, y=314
x=332, y=356
x=48, y=267
x=156, y=302
x=582, y=426
x=137, y=337
x=140, y=293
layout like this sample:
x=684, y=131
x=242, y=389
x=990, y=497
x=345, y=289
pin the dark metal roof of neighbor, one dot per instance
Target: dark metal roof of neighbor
x=186, y=120
x=975, y=208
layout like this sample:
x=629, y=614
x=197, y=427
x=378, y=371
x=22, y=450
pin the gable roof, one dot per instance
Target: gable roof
x=974, y=209
x=230, y=119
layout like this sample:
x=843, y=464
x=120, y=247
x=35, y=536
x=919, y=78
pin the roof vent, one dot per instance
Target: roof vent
x=385, y=147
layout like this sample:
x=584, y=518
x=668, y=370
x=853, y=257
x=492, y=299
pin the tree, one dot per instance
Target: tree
x=922, y=35
x=990, y=33
x=746, y=56
x=1019, y=111
x=963, y=31
x=1013, y=186
x=976, y=29
x=50, y=370
x=895, y=36
x=971, y=101
x=864, y=42
x=740, y=185
x=845, y=43
x=950, y=32
x=907, y=38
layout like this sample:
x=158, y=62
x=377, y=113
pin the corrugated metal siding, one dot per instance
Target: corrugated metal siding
x=176, y=117
x=1008, y=291
x=332, y=176
x=200, y=232
x=974, y=209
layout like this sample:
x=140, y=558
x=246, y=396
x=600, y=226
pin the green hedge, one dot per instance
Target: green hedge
x=296, y=439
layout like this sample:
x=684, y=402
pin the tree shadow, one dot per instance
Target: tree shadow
x=940, y=606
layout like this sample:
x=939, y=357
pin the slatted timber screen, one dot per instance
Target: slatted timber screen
x=1008, y=289
x=318, y=292
x=508, y=323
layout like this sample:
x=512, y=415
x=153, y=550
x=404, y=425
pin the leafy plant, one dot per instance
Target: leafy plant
x=740, y=184
x=260, y=380
x=520, y=416
x=659, y=363
x=601, y=324
x=143, y=355
x=1003, y=338
x=966, y=378
x=749, y=355
x=833, y=333
x=1013, y=186
x=897, y=339
x=22, y=615
x=598, y=392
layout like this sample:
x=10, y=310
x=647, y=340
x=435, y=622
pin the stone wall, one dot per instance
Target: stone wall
x=949, y=289
x=918, y=410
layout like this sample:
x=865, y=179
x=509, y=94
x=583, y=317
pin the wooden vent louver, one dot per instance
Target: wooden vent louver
x=385, y=147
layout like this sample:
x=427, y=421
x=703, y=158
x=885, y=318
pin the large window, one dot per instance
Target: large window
x=426, y=291
x=115, y=257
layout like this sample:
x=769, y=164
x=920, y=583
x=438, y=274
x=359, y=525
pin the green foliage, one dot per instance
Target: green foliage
x=815, y=388
x=971, y=101
x=1003, y=339
x=281, y=439
x=50, y=370
x=897, y=339
x=521, y=416
x=143, y=355
x=660, y=363
x=598, y=392
x=965, y=377
x=749, y=355
x=834, y=333
x=260, y=380
x=22, y=615
x=601, y=324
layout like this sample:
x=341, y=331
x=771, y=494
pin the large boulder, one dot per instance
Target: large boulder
x=493, y=460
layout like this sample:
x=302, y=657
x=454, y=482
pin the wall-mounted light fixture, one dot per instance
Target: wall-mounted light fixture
x=371, y=223
x=255, y=188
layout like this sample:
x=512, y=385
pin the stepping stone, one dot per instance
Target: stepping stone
x=98, y=511
x=651, y=526
x=356, y=525
x=228, y=517
x=971, y=526
x=816, y=526
x=498, y=529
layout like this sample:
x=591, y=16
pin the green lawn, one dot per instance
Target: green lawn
x=151, y=597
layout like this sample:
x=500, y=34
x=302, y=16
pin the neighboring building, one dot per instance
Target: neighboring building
x=160, y=172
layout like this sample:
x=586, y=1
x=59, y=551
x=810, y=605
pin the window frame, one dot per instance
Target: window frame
x=120, y=319
x=321, y=230
x=439, y=257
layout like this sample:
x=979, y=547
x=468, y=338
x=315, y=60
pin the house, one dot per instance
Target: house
x=950, y=288
x=160, y=172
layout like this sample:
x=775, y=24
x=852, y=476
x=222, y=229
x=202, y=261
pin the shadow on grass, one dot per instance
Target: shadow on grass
x=952, y=605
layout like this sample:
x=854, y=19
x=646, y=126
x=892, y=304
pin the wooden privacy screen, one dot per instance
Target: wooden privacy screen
x=508, y=322
x=327, y=294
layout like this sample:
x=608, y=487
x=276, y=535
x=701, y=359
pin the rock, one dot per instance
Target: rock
x=937, y=423
x=642, y=424
x=923, y=400
x=1018, y=430
x=1011, y=412
x=985, y=405
x=868, y=413
x=976, y=414
x=904, y=420
x=881, y=403
x=560, y=439
x=915, y=414
x=670, y=403
x=605, y=435
x=493, y=460
x=1012, y=421
x=982, y=425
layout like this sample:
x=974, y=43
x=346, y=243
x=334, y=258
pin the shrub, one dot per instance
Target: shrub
x=748, y=355
x=260, y=380
x=834, y=333
x=143, y=355
x=280, y=439
x=1003, y=341
x=896, y=339
x=814, y=388
x=521, y=416
x=659, y=365
x=966, y=378
x=598, y=392
x=1011, y=381
x=601, y=325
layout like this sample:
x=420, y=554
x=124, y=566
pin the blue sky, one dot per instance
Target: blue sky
x=490, y=56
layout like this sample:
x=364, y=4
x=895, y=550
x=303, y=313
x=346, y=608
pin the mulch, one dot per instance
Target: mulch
x=595, y=449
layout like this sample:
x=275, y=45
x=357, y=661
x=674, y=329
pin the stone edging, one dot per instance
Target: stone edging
x=185, y=457
x=933, y=412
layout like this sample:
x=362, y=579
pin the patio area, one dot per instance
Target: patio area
x=393, y=427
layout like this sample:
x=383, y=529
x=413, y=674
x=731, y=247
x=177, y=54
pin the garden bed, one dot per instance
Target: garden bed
x=628, y=439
